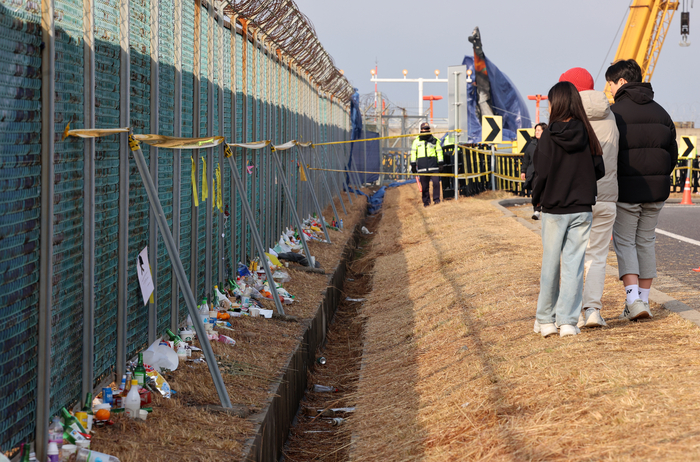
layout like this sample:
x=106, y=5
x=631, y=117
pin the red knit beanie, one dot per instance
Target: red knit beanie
x=580, y=77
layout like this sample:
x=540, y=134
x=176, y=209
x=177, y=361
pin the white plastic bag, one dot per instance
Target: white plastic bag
x=160, y=357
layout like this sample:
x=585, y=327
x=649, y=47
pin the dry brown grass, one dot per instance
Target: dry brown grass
x=179, y=431
x=452, y=371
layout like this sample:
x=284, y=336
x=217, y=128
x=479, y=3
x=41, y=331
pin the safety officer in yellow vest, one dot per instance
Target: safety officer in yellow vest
x=426, y=157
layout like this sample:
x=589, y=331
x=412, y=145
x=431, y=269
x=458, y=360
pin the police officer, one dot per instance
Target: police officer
x=426, y=157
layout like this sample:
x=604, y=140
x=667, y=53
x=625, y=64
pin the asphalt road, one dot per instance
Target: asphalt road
x=675, y=257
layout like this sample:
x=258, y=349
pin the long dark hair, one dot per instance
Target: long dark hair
x=565, y=103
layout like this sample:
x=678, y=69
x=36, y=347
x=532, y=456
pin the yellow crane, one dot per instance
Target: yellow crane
x=645, y=32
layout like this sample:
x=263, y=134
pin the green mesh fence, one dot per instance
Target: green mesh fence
x=67, y=286
x=20, y=201
x=260, y=101
x=187, y=156
x=140, y=93
x=226, y=179
x=166, y=107
x=107, y=84
x=201, y=173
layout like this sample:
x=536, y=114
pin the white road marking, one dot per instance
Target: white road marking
x=680, y=238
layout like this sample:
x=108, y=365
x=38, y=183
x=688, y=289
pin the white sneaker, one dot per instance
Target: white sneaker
x=637, y=310
x=547, y=329
x=568, y=329
x=590, y=317
x=536, y=216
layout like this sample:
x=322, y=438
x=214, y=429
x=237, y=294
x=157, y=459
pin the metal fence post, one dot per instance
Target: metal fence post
x=89, y=200
x=152, y=226
x=313, y=196
x=333, y=156
x=254, y=230
x=493, y=167
x=325, y=183
x=177, y=160
x=288, y=192
x=48, y=72
x=152, y=193
x=123, y=245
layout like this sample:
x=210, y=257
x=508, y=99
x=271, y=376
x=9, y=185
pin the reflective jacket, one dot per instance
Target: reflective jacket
x=426, y=155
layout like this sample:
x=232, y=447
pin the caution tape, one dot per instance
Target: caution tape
x=509, y=178
x=383, y=138
x=449, y=175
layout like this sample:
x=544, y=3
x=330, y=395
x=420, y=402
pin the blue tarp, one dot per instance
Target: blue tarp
x=356, y=119
x=377, y=199
x=505, y=98
x=373, y=159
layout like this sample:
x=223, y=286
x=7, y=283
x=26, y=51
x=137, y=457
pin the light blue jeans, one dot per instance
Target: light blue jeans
x=564, y=241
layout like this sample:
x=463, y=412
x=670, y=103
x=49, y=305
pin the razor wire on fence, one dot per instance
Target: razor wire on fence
x=179, y=68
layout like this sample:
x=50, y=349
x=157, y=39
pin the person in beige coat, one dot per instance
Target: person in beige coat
x=604, y=211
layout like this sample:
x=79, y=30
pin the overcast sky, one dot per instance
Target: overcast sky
x=533, y=42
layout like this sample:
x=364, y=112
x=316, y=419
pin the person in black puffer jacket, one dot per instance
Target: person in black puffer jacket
x=648, y=153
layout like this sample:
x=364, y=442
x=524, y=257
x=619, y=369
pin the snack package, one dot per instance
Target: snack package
x=160, y=383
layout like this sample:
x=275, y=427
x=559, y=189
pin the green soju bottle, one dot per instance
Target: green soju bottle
x=174, y=338
x=140, y=372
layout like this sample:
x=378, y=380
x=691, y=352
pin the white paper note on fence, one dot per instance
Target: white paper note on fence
x=143, y=269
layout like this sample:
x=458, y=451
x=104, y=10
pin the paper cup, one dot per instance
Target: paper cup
x=187, y=335
x=255, y=312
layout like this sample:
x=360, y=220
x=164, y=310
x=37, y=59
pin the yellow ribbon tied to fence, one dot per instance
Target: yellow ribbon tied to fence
x=213, y=194
x=219, y=198
x=205, y=189
x=302, y=174
x=194, y=182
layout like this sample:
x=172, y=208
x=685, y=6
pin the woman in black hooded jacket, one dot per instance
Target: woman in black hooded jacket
x=568, y=162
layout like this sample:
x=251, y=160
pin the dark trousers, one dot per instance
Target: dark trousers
x=424, y=182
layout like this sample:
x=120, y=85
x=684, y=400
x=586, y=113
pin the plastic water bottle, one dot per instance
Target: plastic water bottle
x=56, y=432
x=341, y=223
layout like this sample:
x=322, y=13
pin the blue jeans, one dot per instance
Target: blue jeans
x=564, y=241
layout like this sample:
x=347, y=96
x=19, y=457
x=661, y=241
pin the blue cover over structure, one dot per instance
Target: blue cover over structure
x=507, y=102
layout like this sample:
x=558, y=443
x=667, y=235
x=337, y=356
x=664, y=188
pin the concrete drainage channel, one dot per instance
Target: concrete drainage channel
x=272, y=425
x=322, y=429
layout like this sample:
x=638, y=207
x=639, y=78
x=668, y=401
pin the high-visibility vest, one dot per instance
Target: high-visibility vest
x=426, y=155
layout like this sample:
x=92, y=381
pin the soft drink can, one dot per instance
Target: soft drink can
x=107, y=396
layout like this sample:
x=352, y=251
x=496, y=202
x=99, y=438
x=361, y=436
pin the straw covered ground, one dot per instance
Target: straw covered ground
x=451, y=369
x=181, y=428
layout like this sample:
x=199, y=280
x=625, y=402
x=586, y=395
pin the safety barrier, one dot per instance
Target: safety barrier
x=394, y=161
x=75, y=214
